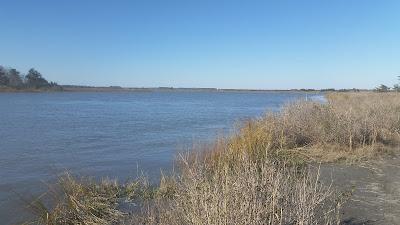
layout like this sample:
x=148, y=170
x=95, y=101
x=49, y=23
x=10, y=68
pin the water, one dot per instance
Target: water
x=110, y=134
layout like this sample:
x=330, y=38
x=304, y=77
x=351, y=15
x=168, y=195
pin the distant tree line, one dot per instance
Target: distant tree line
x=384, y=88
x=329, y=90
x=10, y=77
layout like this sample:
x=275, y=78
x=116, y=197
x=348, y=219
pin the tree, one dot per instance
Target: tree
x=3, y=78
x=14, y=77
x=382, y=88
x=396, y=87
x=34, y=79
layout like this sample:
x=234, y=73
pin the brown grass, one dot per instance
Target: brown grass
x=243, y=191
x=77, y=201
x=351, y=125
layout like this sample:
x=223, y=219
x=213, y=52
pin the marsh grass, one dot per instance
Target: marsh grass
x=77, y=201
x=240, y=190
x=260, y=175
x=350, y=126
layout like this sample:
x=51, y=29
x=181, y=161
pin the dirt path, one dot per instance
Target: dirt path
x=376, y=186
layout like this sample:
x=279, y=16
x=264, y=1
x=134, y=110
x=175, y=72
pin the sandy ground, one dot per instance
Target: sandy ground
x=376, y=191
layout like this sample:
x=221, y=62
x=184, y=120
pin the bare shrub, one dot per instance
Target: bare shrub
x=244, y=192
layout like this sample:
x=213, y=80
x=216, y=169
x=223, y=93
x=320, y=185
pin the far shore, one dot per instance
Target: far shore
x=74, y=88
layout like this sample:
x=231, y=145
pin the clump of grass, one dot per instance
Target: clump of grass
x=74, y=200
x=78, y=201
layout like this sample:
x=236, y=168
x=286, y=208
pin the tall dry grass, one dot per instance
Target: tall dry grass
x=349, y=123
x=256, y=176
x=243, y=191
x=352, y=120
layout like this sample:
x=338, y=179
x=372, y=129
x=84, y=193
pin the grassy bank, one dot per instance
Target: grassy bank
x=259, y=175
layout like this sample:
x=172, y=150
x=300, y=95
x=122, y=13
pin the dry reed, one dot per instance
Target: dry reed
x=362, y=123
x=243, y=191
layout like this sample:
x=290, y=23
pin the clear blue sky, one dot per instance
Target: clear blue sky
x=224, y=44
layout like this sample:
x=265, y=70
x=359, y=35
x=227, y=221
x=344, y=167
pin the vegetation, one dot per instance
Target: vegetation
x=396, y=87
x=242, y=191
x=384, y=88
x=79, y=202
x=233, y=191
x=33, y=80
x=349, y=126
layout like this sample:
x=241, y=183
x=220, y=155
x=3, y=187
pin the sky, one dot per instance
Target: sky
x=222, y=44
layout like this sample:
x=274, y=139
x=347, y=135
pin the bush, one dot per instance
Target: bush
x=244, y=191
